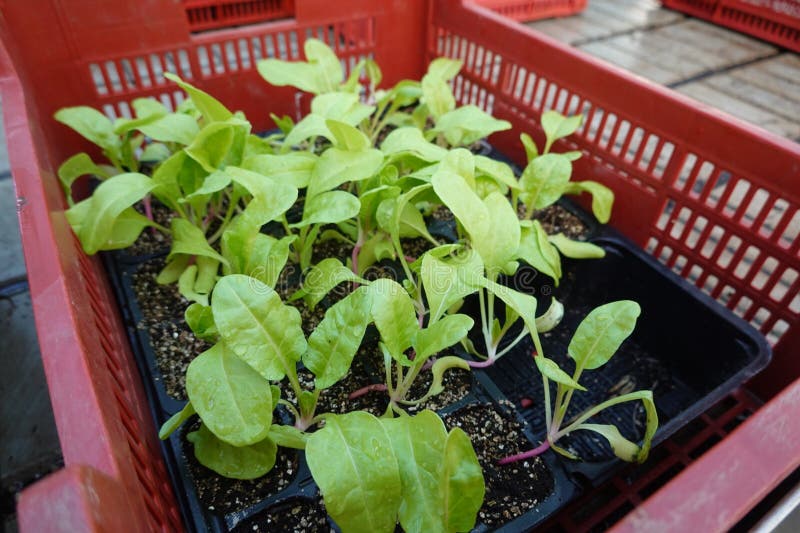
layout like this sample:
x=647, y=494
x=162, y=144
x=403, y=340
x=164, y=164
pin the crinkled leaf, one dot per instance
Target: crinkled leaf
x=551, y=318
x=498, y=241
x=467, y=124
x=329, y=208
x=200, y=320
x=394, y=316
x=444, y=68
x=347, y=137
x=293, y=168
x=271, y=199
x=337, y=166
x=322, y=73
x=174, y=127
x=257, y=326
x=253, y=253
x=602, y=197
x=441, y=334
x=544, y=180
x=127, y=226
x=211, y=108
x=557, y=126
x=410, y=140
x=147, y=110
x=319, y=281
x=219, y=144
x=173, y=270
x=600, y=334
x=155, y=152
x=448, y=281
x=576, y=249
x=462, y=483
x=335, y=341
x=238, y=462
x=496, y=170
x=175, y=421
x=233, y=400
x=353, y=462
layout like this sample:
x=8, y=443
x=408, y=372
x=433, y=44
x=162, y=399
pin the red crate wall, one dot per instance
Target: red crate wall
x=528, y=10
x=215, y=14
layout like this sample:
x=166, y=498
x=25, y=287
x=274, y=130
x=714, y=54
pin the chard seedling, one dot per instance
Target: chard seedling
x=595, y=341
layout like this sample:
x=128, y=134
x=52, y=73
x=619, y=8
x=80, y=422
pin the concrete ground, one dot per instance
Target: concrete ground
x=738, y=74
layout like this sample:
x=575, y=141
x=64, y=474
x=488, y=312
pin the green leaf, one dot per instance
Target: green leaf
x=233, y=400
x=468, y=124
x=92, y=125
x=448, y=281
x=467, y=207
x=214, y=182
x=76, y=166
x=522, y=304
x=188, y=239
x=319, y=281
x=201, y=321
x=531, y=151
x=293, y=168
x=174, y=127
x=394, y=316
x=496, y=170
x=346, y=137
x=602, y=197
x=557, y=126
x=551, y=318
x=257, y=326
x=440, y=335
x=600, y=334
x=445, y=68
x=288, y=436
x=219, y=144
x=253, y=253
x=335, y=341
x=622, y=447
x=463, y=482
x=126, y=229
x=410, y=140
x=211, y=108
x=536, y=250
x=498, y=241
x=322, y=73
x=175, y=421
x=354, y=464
x=271, y=199
x=155, y=152
x=576, y=249
x=173, y=270
x=147, y=110
x=551, y=370
x=329, y=208
x=441, y=365
x=238, y=462
x=462, y=162
x=111, y=198
x=336, y=167
x=186, y=286
x=543, y=181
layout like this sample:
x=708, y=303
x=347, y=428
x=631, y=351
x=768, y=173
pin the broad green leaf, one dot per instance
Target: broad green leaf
x=147, y=110
x=447, y=281
x=531, y=151
x=188, y=239
x=354, y=464
x=288, y=436
x=536, y=250
x=175, y=421
x=576, y=249
x=462, y=162
x=126, y=229
x=174, y=127
x=293, y=168
x=155, y=152
x=186, y=286
x=467, y=124
x=600, y=334
x=323, y=277
x=92, y=125
x=271, y=199
x=238, y=462
x=337, y=166
x=211, y=108
x=467, y=207
x=394, y=316
x=173, y=270
x=340, y=106
x=445, y=68
x=233, y=400
x=347, y=137
x=441, y=334
x=253, y=253
x=207, y=270
x=622, y=447
x=551, y=370
x=410, y=140
x=543, y=181
x=574, y=155
x=498, y=241
x=257, y=326
x=371, y=200
x=437, y=96
x=335, y=341
x=111, y=198
x=219, y=144
x=329, y=208
x=214, y=182
x=322, y=73
x=497, y=170
x=462, y=483
x=557, y=126
x=602, y=197
x=166, y=178
x=201, y=321
x=76, y=166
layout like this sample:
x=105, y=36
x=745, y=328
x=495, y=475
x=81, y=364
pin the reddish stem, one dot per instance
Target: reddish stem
x=543, y=447
x=364, y=390
x=481, y=364
x=148, y=212
x=356, y=251
x=410, y=259
x=526, y=402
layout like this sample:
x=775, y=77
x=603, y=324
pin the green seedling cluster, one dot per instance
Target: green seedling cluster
x=366, y=167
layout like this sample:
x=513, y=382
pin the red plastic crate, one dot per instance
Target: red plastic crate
x=776, y=21
x=715, y=199
x=528, y=10
x=215, y=14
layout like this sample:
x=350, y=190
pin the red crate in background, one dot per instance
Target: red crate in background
x=715, y=199
x=776, y=21
x=528, y=10
x=215, y=14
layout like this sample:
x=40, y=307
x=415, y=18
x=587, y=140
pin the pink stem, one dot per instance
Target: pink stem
x=410, y=259
x=543, y=447
x=364, y=390
x=481, y=364
x=148, y=212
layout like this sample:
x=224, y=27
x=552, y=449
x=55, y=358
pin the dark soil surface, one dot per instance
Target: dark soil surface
x=222, y=495
x=173, y=342
x=151, y=240
x=513, y=489
x=557, y=219
x=299, y=515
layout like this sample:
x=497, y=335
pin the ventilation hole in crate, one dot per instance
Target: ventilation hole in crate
x=539, y=96
x=217, y=58
x=765, y=273
x=743, y=305
x=652, y=242
x=621, y=137
x=760, y=318
x=746, y=263
x=203, y=61
x=157, y=67
x=608, y=128
x=124, y=110
x=662, y=159
x=231, y=59
x=97, y=79
x=633, y=141
x=778, y=330
x=697, y=229
x=736, y=197
x=710, y=284
x=110, y=112
x=754, y=208
x=663, y=219
x=112, y=76
x=127, y=74
x=679, y=222
x=244, y=53
x=685, y=173
x=726, y=294
x=281, y=47
x=649, y=151
x=680, y=264
x=720, y=185
x=731, y=245
x=790, y=234
x=773, y=219
x=293, y=45
x=666, y=253
x=713, y=240
x=781, y=288
x=694, y=274
x=550, y=96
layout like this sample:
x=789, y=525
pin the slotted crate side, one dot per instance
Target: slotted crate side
x=713, y=198
x=776, y=21
x=216, y=14
x=528, y=10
